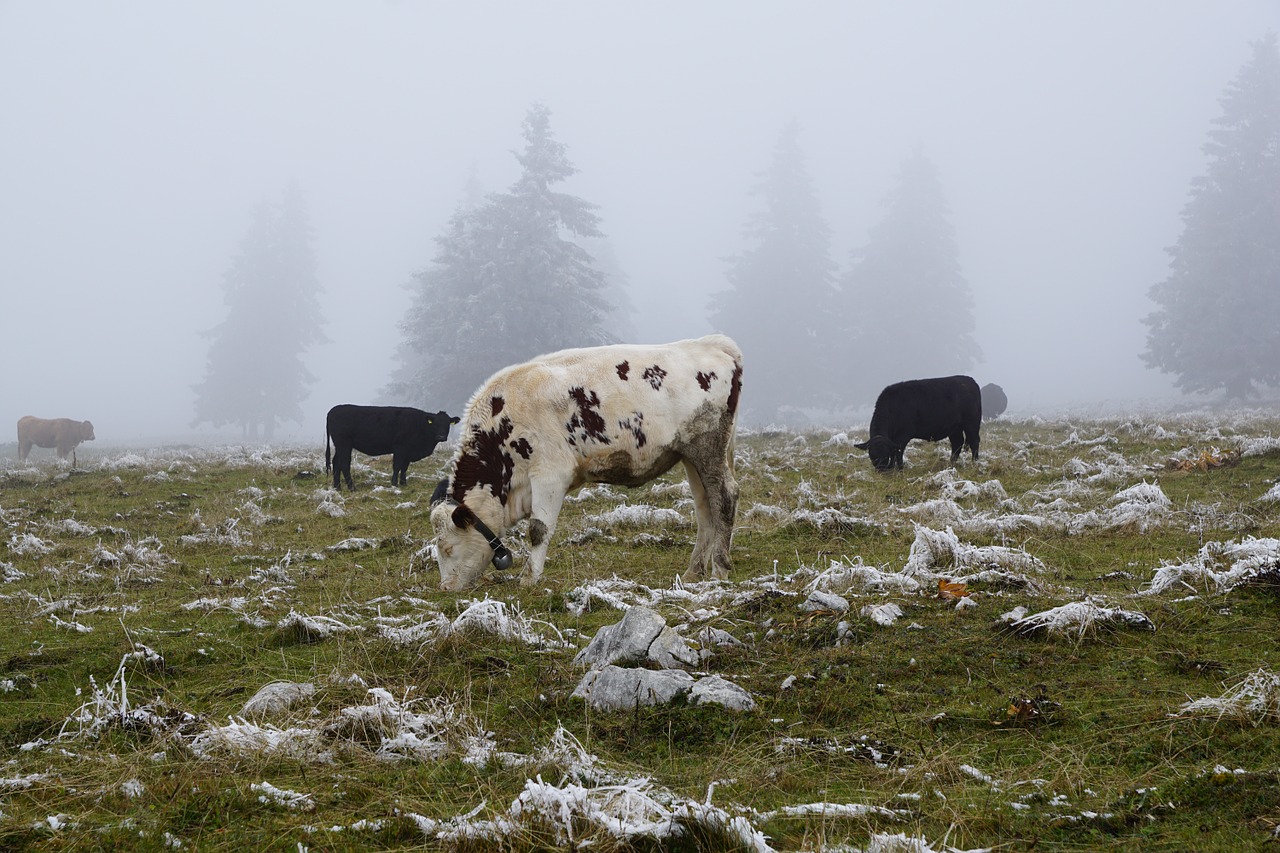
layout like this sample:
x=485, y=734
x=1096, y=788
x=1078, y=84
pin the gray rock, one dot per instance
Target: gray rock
x=819, y=600
x=670, y=651
x=626, y=641
x=714, y=690
x=717, y=637
x=616, y=688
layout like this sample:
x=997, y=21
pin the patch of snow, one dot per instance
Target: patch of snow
x=829, y=517
x=847, y=576
x=850, y=810
x=497, y=617
x=1219, y=566
x=1141, y=507
x=1254, y=700
x=314, y=627
x=354, y=544
x=242, y=738
x=638, y=515
x=28, y=544
x=1259, y=446
x=277, y=697
x=935, y=550
x=1081, y=619
x=292, y=800
x=71, y=527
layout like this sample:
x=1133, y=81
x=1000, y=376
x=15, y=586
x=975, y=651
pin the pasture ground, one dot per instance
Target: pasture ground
x=148, y=594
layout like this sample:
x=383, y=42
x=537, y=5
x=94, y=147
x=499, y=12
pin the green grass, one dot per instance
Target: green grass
x=921, y=717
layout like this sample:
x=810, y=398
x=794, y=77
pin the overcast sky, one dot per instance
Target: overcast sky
x=137, y=138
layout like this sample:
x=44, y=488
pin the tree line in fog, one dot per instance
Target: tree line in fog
x=528, y=271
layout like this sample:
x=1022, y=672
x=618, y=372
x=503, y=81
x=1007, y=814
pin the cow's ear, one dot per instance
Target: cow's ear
x=864, y=445
x=463, y=517
x=455, y=420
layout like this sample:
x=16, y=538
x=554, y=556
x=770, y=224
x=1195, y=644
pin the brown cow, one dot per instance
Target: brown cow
x=62, y=433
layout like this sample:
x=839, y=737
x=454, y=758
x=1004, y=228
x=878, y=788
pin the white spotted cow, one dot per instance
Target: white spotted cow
x=620, y=414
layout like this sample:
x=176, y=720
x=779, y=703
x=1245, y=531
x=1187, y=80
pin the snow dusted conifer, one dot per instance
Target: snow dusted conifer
x=907, y=307
x=255, y=375
x=1215, y=325
x=781, y=289
x=510, y=280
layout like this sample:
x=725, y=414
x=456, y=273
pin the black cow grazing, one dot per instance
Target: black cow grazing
x=932, y=409
x=994, y=402
x=407, y=434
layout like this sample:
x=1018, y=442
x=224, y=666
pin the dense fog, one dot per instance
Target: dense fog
x=139, y=137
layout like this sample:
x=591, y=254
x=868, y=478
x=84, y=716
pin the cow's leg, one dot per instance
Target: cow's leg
x=341, y=466
x=957, y=444
x=972, y=438
x=547, y=498
x=715, y=494
x=702, y=511
x=399, y=465
x=24, y=447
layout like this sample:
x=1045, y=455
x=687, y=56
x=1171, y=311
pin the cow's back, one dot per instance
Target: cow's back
x=30, y=427
x=372, y=425
x=927, y=408
x=42, y=432
x=994, y=400
x=615, y=414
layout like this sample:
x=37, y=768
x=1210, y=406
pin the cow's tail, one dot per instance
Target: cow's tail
x=326, y=448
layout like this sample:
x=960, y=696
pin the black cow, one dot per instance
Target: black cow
x=441, y=491
x=932, y=409
x=407, y=434
x=994, y=401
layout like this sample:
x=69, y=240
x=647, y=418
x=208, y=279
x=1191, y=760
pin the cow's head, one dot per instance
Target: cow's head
x=439, y=424
x=881, y=450
x=464, y=544
x=86, y=431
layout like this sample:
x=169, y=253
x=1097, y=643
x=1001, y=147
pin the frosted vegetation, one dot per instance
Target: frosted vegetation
x=1071, y=640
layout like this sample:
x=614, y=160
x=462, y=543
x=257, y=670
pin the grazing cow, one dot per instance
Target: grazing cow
x=62, y=433
x=994, y=402
x=932, y=409
x=620, y=414
x=407, y=434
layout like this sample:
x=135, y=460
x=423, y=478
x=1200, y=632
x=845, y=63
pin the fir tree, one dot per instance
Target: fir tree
x=510, y=280
x=1217, y=324
x=906, y=306
x=781, y=289
x=255, y=376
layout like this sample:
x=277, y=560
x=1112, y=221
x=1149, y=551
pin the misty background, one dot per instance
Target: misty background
x=140, y=137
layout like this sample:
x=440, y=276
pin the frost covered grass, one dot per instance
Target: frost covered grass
x=1067, y=645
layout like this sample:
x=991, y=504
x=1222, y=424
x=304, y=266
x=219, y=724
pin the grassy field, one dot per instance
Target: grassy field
x=1081, y=652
